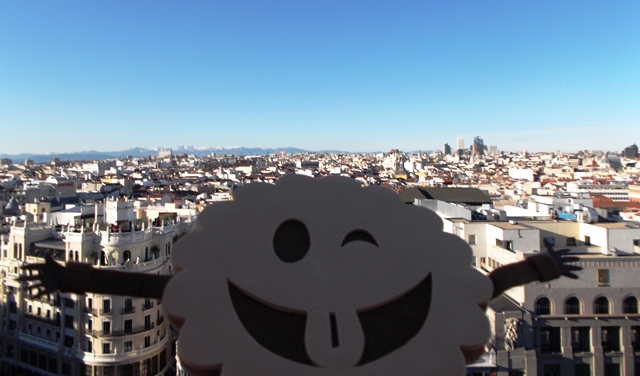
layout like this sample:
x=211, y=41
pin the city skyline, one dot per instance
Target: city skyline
x=359, y=76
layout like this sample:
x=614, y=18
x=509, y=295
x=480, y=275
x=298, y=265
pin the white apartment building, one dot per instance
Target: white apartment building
x=614, y=191
x=92, y=334
x=584, y=327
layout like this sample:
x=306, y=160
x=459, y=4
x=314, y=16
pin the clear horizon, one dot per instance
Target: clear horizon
x=318, y=75
x=223, y=148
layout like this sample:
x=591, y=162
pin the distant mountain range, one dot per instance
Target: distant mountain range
x=142, y=152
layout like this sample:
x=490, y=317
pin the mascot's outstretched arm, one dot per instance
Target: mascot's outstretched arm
x=80, y=278
x=542, y=267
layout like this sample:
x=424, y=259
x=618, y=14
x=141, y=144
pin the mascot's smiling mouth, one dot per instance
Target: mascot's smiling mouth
x=386, y=328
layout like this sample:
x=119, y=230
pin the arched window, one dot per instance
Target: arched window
x=543, y=306
x=126, y=256
x=70, y=255
x=572, y=306
x=601, y=306
x=630, y=305
x=77, y=258
x=103, y=259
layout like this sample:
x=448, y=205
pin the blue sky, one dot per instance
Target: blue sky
x=350, y=75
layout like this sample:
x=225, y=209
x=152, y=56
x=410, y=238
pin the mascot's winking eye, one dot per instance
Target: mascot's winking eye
x=324, y=277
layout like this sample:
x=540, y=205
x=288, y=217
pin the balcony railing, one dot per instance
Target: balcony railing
x=160, y=320
x=92, y=311
x=147, y=306
x=57, y=254
x=106, y=311
x=119, y=333
x=128, y=310
x=44, y=320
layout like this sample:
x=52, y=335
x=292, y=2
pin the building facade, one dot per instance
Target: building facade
x=92, y=334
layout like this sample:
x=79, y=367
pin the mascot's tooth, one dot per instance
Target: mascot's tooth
x=334, y=340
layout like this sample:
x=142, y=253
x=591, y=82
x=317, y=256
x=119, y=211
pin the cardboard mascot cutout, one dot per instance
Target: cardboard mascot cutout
x=318, y=277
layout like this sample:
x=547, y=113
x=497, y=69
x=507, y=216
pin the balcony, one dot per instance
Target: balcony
x=106, y=311
x=91, y=311
x=39, y=252
x=43, y=320
x=126, y=310
x=147, y=306
x=119, y=333
x=160, y=320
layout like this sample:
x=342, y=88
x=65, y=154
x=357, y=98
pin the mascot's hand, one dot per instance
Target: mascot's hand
x=48, y=279
x=563, y=261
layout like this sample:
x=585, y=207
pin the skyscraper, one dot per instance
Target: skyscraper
x=478, y=146
x=460, y=145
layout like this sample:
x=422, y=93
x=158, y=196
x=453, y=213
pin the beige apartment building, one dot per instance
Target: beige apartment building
x=69, y=334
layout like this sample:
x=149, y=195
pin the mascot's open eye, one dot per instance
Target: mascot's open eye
x=291, y=241
x=359, y=235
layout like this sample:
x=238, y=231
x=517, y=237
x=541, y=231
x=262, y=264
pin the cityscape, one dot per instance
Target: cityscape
x=127, y=213
x=134, y=134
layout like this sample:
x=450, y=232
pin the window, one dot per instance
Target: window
x=552, y=370
x=53, y=365
x=13, y=307
x=603, y=276
x=572, y=306
x=163, y=359
x=128, y=346
x=506, y=244
x=106, y=347
x=154, y=365
x=89, y=345
x=601, y=306
x=66, y=369
x=128, y=326
x=147, y=322
x=147, y=341
x=68, y=321
x=551, y=241
x=543, y=306
x=106, y=327
x=580, y=339
x=582, y=370
x=636, y=242
x=587, y=240
x=68, y=341
x=146, y=366
x=42, y=361
x=635, y=339
x=128, y=306
x=610, y=338
x=550, y=339
x=612, y=369
x=106, y=306
x=630, y=305
x=472, y=239
x=571, y=242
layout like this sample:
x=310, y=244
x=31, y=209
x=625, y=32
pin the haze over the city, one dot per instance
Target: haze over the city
x=318, y=75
